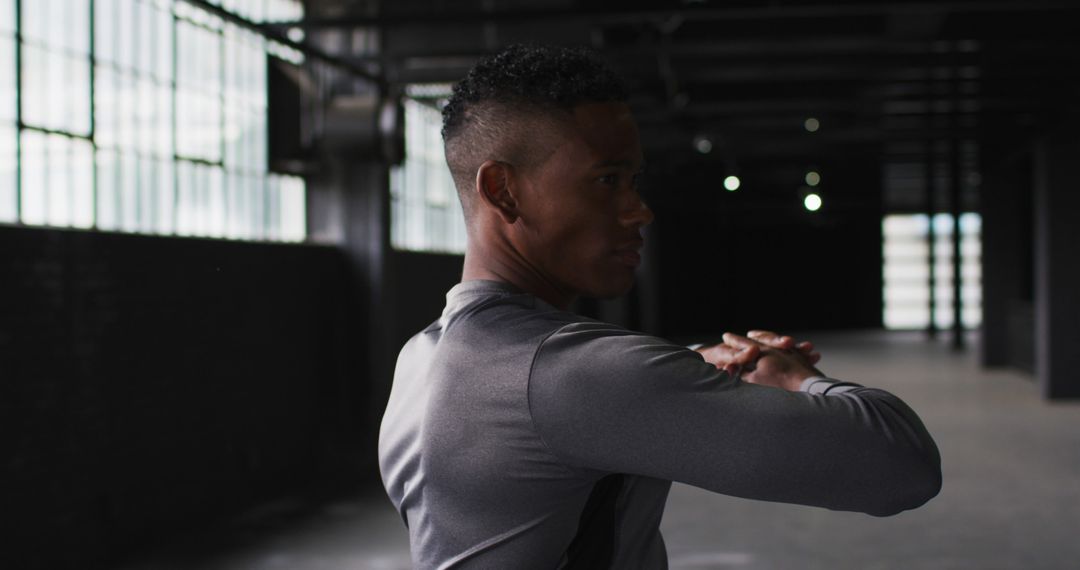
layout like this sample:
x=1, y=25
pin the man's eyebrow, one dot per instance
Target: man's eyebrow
x=619, y=164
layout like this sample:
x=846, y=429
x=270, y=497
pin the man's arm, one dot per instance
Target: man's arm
x=608, y=399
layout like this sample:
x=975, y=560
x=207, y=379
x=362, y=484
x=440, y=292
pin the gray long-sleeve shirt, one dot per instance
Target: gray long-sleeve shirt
x=521, y=436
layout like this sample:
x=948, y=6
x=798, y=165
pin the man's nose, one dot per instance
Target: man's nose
x=638, y=214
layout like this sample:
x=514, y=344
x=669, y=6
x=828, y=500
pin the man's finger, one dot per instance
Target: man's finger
x=805, y=347
x=721, y=355
x=739, y=341
x=772, y=339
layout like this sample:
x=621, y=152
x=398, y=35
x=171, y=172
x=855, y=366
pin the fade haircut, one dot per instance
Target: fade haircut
x=506, y=104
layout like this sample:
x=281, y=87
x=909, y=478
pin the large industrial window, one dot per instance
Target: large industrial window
x=425, y=210
x=907, y=270
x=8, y=114
x=142, y=116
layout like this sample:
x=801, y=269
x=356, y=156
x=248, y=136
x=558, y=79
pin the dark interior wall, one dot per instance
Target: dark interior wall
x=756, y=258
x=152, y=383
x=420, y=282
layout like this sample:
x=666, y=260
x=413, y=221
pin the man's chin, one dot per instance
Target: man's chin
x=612, y=290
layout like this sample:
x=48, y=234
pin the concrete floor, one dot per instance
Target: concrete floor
x=1011, y=495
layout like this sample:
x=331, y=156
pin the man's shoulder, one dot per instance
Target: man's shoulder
x=587, y=355
x=508, y=318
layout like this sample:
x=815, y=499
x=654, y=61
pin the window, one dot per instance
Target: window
x=158, y=127
x=425, y=211
x=907, y=270
x=9, y=211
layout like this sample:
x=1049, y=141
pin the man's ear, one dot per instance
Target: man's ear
x=493, y=184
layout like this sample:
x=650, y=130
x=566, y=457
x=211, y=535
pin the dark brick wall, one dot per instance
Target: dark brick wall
x=150, y=384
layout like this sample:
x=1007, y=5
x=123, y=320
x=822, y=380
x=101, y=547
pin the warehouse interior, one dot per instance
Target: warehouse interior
x=221, y=219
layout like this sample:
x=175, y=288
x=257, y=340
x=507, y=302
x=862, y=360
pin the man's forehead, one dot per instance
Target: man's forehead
x=609, y=133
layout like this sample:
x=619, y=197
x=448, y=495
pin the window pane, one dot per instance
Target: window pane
x=164, y=128
x=144, y=40
x=35, y=21
x=75, y=29
x=293, y=209
x=76, y=95
x=163, y=222
x=425, y=199
x=32, y=191
x=185, y=199
x=147, y=203
x=128, y=190
x=199, y=112
x=126, y=125
x=907, y=271
x=36, y=75
x=108, y=186
x=125, y=34
x=105, y=31
x=81, y=182
x=56, y=91
x=163, y=34
x=106, y=107
x=7, y=16
x=7, y=78
x=147, y=113
x=8, y=196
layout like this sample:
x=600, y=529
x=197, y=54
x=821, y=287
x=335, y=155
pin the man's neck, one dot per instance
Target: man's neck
x=508, y=266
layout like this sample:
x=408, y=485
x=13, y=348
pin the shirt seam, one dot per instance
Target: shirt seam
x=528, y=396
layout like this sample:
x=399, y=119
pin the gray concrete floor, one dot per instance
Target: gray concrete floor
x=1010, y=500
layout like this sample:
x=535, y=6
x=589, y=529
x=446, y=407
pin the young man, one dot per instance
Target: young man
x=519, y=435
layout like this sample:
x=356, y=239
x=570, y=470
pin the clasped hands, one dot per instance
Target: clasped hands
x=764, y=357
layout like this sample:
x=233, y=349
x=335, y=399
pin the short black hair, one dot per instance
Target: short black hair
x=532, y=75
x=499, y=110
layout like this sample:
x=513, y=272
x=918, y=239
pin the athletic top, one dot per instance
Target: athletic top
x=521, y=436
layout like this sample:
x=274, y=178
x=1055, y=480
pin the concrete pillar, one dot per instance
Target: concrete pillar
x=1006, y=269
x=956, y=177
x=930, y=204
x=1057, y=266
x=348, y=206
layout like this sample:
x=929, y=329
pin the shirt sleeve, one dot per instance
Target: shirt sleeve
x=617, y=401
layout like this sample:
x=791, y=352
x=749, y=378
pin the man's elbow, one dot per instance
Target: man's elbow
x=913, y=490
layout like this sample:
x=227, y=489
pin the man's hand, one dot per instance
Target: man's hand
x=764, y=357
x=782, y=364
x=785, y=342
x=729, y=358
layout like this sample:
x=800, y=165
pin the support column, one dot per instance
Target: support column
x=1057, y=267
x=930, y=175
x=1006, y=268
x=955, y=197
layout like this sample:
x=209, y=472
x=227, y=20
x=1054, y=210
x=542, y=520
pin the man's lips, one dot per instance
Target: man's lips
x=628, y=253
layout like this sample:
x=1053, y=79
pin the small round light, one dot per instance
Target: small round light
x=703, y=145
x=813, y=178
x=732, y=183
x=295, y=34
x=812, y=124
x=812, y=202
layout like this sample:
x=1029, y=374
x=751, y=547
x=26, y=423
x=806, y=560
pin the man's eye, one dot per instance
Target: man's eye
x=611, y=179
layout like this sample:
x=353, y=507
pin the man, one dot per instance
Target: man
x=519, y=435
